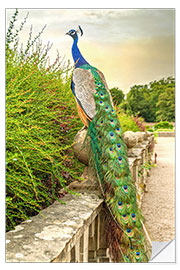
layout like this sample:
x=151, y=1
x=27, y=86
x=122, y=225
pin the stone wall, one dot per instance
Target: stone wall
x=74, y=231
x=140, y=147
x=166, y=134
x=56, y=233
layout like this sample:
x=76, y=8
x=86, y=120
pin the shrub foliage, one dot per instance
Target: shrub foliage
x=41, y=122
x=127, y=122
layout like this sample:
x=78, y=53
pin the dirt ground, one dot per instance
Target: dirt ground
x=158, y=205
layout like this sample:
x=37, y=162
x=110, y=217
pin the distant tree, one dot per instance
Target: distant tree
x=125, y=107
x=166, y=105
x=145, y=100
x=117, y=95
x=139, y=99
x=158, y=88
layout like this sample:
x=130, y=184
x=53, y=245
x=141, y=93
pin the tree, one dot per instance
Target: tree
x=117, y=95
x=145, y=100
x=139, y=99
x=166, y=105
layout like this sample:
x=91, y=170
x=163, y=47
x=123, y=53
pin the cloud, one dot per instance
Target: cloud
x=133, y=62
x=129, y=45
x=105, y=25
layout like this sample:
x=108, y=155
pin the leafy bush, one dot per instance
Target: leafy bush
x=41, y=122
x=163, y=125
x=150, y=129
x=139, y=122
x=127, y=122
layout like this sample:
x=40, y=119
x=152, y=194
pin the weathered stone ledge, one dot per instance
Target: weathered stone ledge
x=52, y=234
x=75, y=231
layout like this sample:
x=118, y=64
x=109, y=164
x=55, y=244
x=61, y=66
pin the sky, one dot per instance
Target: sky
x=130, y=46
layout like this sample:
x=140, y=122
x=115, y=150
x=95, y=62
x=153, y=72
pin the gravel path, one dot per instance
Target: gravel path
x=158, y=205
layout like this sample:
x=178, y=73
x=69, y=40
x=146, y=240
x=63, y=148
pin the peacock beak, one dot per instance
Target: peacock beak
x=67, y=33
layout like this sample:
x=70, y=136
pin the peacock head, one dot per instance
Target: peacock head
x=74, y=33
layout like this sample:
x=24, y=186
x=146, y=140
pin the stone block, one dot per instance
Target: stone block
x=130, y=139
x=80, y=147
x=52, y=234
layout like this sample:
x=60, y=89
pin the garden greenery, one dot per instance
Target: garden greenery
x=41, y=122
x=127, y=122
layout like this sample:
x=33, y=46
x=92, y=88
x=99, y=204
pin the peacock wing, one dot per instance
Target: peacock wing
x=83, y=87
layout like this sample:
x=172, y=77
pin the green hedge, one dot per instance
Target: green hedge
x=163, y=125
x=41, y=122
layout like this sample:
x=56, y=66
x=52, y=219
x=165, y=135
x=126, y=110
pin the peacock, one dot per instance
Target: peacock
x=126, y=237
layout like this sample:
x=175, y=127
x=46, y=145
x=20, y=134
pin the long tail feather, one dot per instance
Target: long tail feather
x=126, y=237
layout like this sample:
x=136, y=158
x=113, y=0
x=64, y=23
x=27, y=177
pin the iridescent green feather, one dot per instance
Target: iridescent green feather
x=109, y=157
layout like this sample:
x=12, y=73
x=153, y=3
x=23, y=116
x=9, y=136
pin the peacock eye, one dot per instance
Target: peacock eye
x=133, y=215
x=117, y=129
x=125, y=186
x=124, y=215
x=120, y=158
x=120, y=203
x=137, y=253
x=102, y=122
x=128, y=230
x=118, y=145
x=101, y=102
x=110, y=149
x=111, y=134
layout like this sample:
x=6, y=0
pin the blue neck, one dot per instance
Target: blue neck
x=77, y=56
